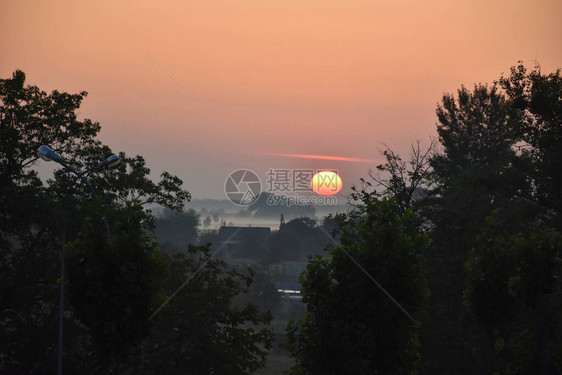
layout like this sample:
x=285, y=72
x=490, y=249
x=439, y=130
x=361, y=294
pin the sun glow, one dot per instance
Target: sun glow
x=326, y=183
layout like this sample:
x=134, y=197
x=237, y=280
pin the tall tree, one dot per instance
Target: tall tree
x=30, y=219
x=33, y=217
x=351, y=326
x=475, y=173
x=535, y=100
x=514, y=291
x=514, y=269
x=497, y=162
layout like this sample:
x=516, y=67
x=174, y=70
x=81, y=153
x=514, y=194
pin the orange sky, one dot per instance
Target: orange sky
x=279, y=76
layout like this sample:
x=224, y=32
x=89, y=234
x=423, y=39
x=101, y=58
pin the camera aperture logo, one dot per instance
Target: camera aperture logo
x=242, y=187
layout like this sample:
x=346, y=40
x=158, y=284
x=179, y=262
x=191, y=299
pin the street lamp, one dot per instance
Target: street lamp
x=47, y=154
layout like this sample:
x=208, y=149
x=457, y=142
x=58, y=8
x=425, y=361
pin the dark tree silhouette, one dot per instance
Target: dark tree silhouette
x=351, y=326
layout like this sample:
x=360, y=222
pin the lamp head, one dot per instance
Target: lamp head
x=110, y=162
x=47, y=154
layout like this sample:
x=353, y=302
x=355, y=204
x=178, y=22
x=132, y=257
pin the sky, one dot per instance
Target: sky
x=203, y=88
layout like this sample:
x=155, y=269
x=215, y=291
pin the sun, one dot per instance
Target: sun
x=326, y=183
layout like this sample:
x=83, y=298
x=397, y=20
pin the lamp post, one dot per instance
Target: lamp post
x=47, y=154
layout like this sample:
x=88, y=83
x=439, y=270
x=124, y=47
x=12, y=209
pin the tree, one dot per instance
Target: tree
x=535, y=101
x=351, y=326
x=476, y=172
x=30, y=219
x=496, y=163
x=113, y=283
x=408, y=181
x=263, y=292
x=296, y=240
x=201, y=330
x=513, y=268
x=115, y=279
x=514, y=291
x=175, y=229
x=30, y=118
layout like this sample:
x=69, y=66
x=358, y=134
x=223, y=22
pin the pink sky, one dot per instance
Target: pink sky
x=279, y=76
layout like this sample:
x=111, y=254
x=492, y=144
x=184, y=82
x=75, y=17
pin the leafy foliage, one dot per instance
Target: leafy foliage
x=175, y=229
x=496, y=211
x=535, y=100
x=112, y=283
x=30, y=220
x=117, y=276
x=201, y=330
x=352, y=327
x=514, y=291
x=490, y=203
